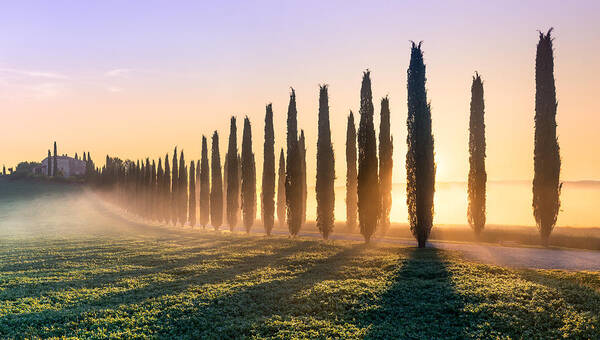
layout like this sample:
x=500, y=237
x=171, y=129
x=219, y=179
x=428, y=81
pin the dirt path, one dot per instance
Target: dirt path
x=521, y=257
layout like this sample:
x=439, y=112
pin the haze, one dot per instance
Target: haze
x=133, y=80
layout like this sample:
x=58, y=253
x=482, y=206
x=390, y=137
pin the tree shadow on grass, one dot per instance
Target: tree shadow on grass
x=420, y=301
x=61, y=322
x=245, y=311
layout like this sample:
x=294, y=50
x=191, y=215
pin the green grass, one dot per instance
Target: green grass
x=207, y=285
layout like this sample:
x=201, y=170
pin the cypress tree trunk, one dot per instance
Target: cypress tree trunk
x=268, y=178
x=55, y=171
x=174, y=213
x=233, y=192
x=183, y=191
x=351, y=175
x=192, y=199
x=386, y=164
x=216, y=190
x=49, y=164
x=204, y=185
x=368, y=181
x=293, y=174
x=166, y=198
x=325, y=176
x=477, y=174
x=420, y=165
x=248, y=174
x=281, y=201
x=546, y=179
x=302, y=148
x=160, y=191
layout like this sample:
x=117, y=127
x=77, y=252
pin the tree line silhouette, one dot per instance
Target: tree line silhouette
x=180, y=195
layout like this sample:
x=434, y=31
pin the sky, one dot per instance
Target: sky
x=134, y=79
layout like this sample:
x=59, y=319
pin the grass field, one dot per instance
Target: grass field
x=229, y=286
x=71, y=268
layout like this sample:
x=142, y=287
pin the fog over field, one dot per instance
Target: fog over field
x=38, y=208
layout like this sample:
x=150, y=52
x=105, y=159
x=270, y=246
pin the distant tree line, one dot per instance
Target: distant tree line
x=207, y=194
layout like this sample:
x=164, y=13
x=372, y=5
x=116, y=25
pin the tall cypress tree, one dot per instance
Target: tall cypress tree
x=239, y=183
x=477, y=174
x=386, y=164
x=293, y=174
x=351, y=175
x=302, y=149
x=192, y=199
x=204, y=185
x=174, y=190
x=248, y=175
x=281, y=201
x=160, y=191
x=55, y=171
x=216, y=190
x=268, y=177
x=420, y=165
x=166, y=198
x=153, y=191
x=197, y=193
x=368, y=181
x=147, y=190
x=233, y=192
x=49, y=164
x=225, y=178
x=325, y=168
x=183, y=191
x=546, y=179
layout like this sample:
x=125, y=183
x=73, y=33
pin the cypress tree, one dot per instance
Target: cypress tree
x=166, y=198
x=225, y=177
x=147, y=190
x=216, y=190
x=174, y=213
x=49, y=169
x=293, y=176
x=420, y=165
x=325, y=168
x=351, y=175
x=197, y=193
x=248, y=175
x=368, y=182
x=55, y=171
x=204, y=185
x=160, y=189
x=153, y=191
x=268, y=178
x=182, y=188
x=239, y=183
x=386, y=164
x=233, y=192
x=281, y=201
x=84, y=159
x=546, y=179
x=192, y=199
x=477, y=174
x=302, y=148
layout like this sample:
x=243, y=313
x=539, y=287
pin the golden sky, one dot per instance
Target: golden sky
x=134, y=81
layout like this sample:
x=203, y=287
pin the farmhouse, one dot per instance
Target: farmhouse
x=67, y=166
